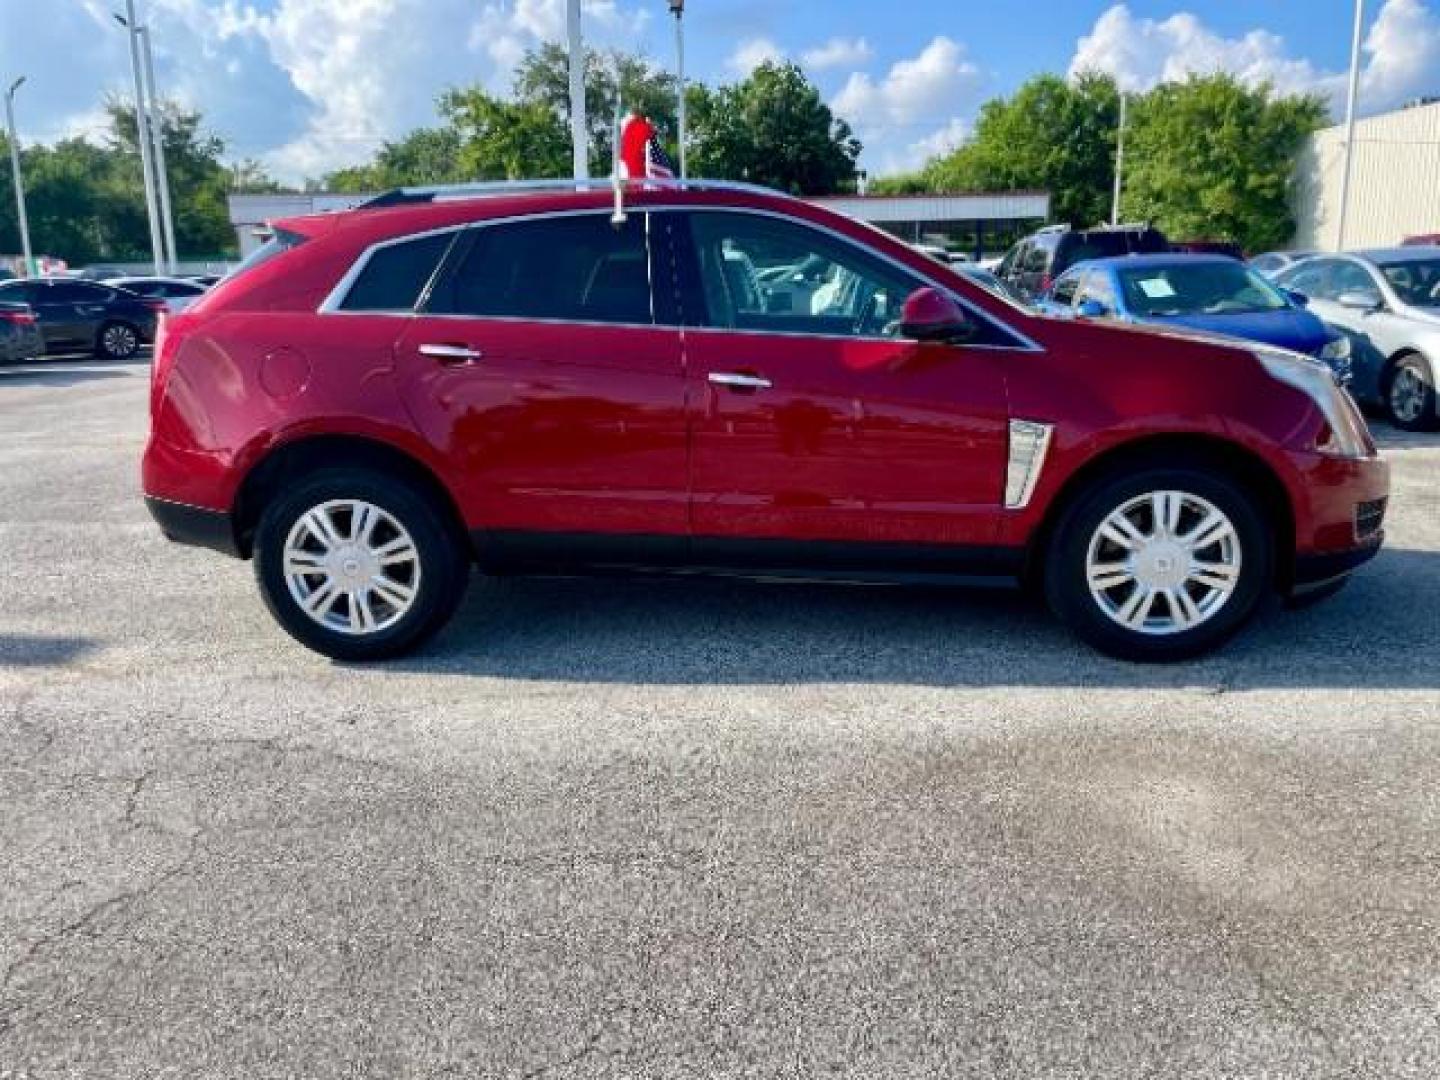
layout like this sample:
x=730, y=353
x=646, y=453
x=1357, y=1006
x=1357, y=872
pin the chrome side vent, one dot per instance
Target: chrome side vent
x=1029, y=447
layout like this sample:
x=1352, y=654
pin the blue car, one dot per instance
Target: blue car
x=1211, y=293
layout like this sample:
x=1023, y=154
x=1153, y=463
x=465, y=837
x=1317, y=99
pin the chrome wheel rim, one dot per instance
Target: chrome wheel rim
x=1164, y=563
x=1407, y=395
x=120, y=341
x=352, y=567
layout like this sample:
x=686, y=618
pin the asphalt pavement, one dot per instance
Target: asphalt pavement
x=691, y=829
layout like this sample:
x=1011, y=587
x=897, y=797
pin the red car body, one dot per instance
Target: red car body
x=573, y=444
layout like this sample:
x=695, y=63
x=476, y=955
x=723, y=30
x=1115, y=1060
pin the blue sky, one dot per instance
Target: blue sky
x=308, y=85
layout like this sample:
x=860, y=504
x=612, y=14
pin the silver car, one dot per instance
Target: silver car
x=1388, y=304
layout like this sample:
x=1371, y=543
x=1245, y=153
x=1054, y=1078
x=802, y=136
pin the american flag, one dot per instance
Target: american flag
x=641, y=155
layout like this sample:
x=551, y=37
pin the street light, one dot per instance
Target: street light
x=15, y=170
x=142, y=133
x=677, y=8
x=1350, y=123
x=162, y=173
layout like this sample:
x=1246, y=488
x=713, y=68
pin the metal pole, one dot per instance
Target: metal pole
x=142, y=135
x=579, y=130
x=15, y=171
x=1119, y=166
x=1350, y=124
x=680, y=74
x=162, y=174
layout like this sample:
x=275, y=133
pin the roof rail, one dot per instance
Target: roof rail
x=488, y=189
x=1054, y=229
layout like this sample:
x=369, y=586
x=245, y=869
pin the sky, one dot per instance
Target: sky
x=306, y=86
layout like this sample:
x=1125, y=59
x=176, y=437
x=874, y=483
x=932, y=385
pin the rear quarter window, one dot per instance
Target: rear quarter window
x=395, y=277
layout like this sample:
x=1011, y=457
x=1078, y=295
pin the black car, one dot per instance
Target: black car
x=1034, y=264
x=83, y=316
x=19, y=333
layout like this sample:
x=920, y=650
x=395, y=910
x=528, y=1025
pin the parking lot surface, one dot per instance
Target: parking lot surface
x=685, y=829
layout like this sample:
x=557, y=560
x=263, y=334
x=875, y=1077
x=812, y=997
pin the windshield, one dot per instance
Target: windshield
x=1208, y=288
x=1416, y=283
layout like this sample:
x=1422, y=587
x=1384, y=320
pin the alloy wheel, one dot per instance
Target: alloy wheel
x=352, y=567
x=120, y=341
x=1164, y=563
x=1407, y=395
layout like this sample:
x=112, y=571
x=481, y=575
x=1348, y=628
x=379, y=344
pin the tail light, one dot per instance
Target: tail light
x=157, y=306
x=19, y=318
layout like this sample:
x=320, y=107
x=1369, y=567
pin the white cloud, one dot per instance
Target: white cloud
x=753, y=52
x=838, y=52
x=917, y=105
x=1402, y=54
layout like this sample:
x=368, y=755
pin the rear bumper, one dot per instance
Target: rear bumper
x=195, y=526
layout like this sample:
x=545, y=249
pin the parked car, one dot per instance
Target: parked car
x=77, y=315
x=1034, y=264
x=382, y=397
x=1213, y=293
x=19, y=333
x=1273, y=262
x=1227, y=248
x=177, y=293
x=1427, y=240
x=1388, y=303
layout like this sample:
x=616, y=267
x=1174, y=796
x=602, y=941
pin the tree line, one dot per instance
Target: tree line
x=1206, y=158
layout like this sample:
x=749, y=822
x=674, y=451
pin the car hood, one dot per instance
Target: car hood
x=1289, y=329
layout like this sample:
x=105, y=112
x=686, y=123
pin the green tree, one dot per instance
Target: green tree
x=505, y=140
x=611, y=78
x=775, y=129
x=1053, y=134
x=426, y=156
x=1212, y=158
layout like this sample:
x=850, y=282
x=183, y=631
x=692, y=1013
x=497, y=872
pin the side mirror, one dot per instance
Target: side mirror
x=935, y=316
x=1361, y=300
x=1299, y=299
x=1092, y=309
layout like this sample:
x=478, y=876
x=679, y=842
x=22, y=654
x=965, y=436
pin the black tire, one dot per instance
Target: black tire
x=1067, y=587
x=443, y=564
x=1410, y=418
x=118, y=341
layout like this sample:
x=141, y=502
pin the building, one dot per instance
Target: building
x=1395, y=188
x=971, y=223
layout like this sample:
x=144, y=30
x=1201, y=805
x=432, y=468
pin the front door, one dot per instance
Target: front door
x=541, y=365
x=813, y=419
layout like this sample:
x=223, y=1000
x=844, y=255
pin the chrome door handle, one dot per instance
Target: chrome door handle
x=738, y=381
x=452, y=354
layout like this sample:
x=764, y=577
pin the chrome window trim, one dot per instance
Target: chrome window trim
x=331, y=305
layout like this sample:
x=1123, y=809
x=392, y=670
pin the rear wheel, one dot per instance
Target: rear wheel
x=117, y=341
x=1410, y=395
x=358, y=566
x=1159, y=565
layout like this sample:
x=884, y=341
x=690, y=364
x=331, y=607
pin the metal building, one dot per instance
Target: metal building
x=1395, y=191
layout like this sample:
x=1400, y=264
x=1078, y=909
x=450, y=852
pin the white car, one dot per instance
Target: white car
x=178, y=293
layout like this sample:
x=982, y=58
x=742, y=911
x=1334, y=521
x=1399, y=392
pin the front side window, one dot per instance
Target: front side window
x=570, y=269
x=395, y=276
x=1416, y=282
x=763, y=274
x=1310, y=278
x=1349, y=277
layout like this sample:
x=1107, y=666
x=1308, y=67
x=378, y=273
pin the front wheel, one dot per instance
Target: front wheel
x=357, y=565
x=1410, y=395
x=117, y=341
x=1159, y=565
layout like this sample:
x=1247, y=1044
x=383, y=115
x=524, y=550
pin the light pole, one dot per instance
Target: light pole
x=1350, y=124
x=15, y=170
x=1119, y=167
x=677, y=8
x=162, y=174
x=579, y=130
x=142, y=135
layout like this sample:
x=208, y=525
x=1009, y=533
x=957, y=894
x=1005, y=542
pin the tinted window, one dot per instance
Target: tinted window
x=576, y=269
x=18, y=292
x=1349, y=277
x=277, y=245
x=1417, y=282
x=1037, y=259
x=80, y=292
x=396, y=275
x=1310, y=278
x=179, y=288
x=759, y=273
x=1065, y=290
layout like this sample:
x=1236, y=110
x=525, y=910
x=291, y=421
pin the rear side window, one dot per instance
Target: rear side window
x=571, y=269
x=79, y=292
x=279, y=243
x=395, y=276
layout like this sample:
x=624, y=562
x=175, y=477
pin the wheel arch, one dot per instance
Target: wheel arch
x=1189, y=449
x=291, y=460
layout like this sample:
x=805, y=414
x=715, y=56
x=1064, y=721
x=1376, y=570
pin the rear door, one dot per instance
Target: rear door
x=813, y=419
x=541, y=364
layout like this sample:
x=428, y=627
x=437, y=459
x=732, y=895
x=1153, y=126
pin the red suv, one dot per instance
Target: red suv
x=731, y=380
